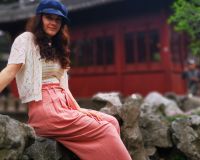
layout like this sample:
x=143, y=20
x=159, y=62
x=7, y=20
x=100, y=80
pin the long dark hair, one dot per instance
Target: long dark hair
x=60, y=42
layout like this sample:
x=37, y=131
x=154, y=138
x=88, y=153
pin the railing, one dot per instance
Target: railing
x=17, y=5
x=11, y=104
x=72, y=4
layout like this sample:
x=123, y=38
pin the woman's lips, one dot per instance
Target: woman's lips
x=52, y=29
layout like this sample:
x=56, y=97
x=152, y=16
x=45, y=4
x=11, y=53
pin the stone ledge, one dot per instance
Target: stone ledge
x=18, y=141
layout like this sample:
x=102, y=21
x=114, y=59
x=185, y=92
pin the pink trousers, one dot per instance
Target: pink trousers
x=56, y=116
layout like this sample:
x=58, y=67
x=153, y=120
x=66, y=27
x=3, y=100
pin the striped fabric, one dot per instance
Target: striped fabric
x=51, y=72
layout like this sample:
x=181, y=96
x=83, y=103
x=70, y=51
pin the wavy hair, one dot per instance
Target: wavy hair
x=59, y=50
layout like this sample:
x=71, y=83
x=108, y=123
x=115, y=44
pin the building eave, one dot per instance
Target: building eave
x=16, y=11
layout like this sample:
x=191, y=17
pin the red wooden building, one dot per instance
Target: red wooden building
x=125, y=46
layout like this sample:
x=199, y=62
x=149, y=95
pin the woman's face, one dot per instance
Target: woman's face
x=51, y=24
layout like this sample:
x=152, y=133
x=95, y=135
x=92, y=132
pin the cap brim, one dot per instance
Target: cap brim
x=56, y=12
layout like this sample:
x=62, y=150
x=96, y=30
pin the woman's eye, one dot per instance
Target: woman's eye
x=58, y=19
x=48, y=17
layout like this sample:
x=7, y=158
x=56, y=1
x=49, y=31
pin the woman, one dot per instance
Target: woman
x=39, y=61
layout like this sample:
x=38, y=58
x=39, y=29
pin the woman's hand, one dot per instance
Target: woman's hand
x=90, y=113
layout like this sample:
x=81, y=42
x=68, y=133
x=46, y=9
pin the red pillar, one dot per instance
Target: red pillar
x=166, y=54
x=119, y=57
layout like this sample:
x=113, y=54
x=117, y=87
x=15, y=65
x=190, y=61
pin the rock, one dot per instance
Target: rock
x=89, y=103
x=113, y=98
x=14, y=137
x=178, y=99
x=113, y=102
x=195, y=111
x=186, y=136
x=129, y=113
x=154, y=127
x=157, y=102
x=150, y=150
x=19, y=142
x=155, y=131
x=190, y=103
x=131, y=135
x=48, y=149
x=42, y=149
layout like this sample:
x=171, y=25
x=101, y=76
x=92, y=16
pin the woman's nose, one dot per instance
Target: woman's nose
x=53, y=21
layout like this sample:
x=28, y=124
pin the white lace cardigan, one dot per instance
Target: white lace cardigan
x=29, y=78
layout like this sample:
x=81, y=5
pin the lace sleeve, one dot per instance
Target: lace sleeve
x=19, y=49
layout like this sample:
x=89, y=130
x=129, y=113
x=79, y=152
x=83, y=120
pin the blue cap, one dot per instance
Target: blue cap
x=53, y=7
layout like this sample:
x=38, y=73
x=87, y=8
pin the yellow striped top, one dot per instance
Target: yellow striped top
x=51, y=72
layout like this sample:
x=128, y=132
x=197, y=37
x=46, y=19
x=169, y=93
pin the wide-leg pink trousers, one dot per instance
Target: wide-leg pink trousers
x=57, y=117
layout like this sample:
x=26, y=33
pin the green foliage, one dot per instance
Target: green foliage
x=175, y=117
x=178, y=157
x=196, y=113
x=186, y=18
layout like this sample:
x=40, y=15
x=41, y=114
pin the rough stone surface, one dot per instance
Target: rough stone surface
x=129, y=113
x=157, y=102
x=186, y=136
x=19, y=142
x=42, y=149
x=131, y=135
x=47, y=149
x=151, y=128
x=155, y=131
x=190, y=103
x=113, y=102
x=14, y=137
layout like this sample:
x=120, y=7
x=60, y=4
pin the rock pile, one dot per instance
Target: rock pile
x=158, y=127
x=155, y=127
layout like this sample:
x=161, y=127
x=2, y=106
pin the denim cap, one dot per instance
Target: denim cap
x=53, y=7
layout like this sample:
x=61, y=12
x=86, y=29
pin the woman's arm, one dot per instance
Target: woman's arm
x=87, y=112
x=8, y=74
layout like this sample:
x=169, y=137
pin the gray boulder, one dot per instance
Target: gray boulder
x=14, y=137
x=186, y=136
x=113, y=102
x=131, y=135
x=190, y=103
x=19, y=142
x=157, y=102
x=154, y=126
x=128, y=113
x=155, y=131
x=47, y=149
